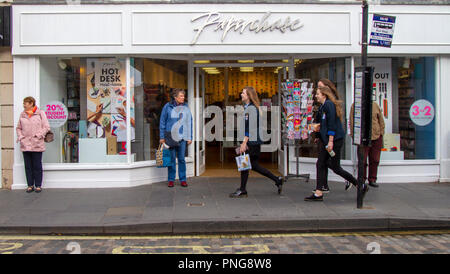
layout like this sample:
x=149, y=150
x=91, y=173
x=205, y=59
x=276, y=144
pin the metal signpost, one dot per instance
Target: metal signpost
x=363, y=107
x=381, y=35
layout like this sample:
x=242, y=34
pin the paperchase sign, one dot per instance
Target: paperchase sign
x=5, y=26
x=241, y=25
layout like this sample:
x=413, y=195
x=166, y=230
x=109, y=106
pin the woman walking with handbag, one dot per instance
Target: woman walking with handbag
x=252, y=143
x=331, y=139
x=31, y=130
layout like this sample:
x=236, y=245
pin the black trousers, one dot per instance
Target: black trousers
x=325, y=161
x=33, y=168
x=254, y=151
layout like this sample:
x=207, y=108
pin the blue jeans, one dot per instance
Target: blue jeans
x=178, y=153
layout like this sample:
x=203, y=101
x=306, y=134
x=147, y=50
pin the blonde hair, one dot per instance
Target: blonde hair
x=251, y=93
x=327, y=92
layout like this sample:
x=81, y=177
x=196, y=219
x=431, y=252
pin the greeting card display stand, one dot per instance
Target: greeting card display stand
x=297, y=104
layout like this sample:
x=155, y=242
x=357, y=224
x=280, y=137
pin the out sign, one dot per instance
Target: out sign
x=421, y=112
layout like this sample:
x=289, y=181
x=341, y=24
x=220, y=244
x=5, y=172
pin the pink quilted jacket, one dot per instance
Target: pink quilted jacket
x=31, y=131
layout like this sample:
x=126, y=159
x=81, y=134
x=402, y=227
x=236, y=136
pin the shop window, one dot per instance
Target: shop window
x=334, y=70
x=85, y=102
x=413, y=129
x=152, y=82
x=404, y=88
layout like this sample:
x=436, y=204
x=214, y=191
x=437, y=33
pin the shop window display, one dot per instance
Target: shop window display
x=415, y=127
x=314, y=70
x=404, y=88
x=152, y=82
x=90, y=93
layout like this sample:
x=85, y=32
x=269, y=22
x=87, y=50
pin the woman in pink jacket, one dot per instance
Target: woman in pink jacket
x=31, y=130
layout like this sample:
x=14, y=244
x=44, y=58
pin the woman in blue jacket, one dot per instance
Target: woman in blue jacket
x=252, y=142
x=331, y=140
x=176, y=115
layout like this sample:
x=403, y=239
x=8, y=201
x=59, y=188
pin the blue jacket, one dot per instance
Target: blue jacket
x=330, y=124
x=176, y=115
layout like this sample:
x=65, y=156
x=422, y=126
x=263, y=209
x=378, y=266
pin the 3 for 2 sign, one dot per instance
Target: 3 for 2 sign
x=421, y=112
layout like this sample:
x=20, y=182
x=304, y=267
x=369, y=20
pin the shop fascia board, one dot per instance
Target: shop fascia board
x=340, y=2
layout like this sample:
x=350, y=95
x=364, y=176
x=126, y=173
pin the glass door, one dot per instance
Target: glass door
x=200, y=151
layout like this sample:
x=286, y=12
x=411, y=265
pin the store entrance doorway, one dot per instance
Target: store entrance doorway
x=219, y=85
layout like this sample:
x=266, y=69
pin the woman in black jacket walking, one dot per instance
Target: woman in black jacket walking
x=251, y=144
x=331, y=139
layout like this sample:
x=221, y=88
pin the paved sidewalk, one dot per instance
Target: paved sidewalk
x=204, y=207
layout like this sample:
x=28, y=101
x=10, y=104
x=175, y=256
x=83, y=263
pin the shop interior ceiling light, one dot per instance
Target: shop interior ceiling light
x=246, y=61
x=202, y=61
x=246, y=69
x=212, y=70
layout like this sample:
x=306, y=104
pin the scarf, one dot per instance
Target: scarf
x=31, y=112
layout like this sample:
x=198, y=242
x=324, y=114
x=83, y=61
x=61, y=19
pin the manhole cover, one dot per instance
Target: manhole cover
x=196, y=204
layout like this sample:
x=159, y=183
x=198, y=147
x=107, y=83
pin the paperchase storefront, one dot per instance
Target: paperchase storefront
x=102, y=73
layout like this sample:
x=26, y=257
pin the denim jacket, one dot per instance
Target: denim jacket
x=176, y=115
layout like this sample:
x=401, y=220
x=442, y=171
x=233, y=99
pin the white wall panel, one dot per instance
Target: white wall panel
x=70, y=28
x=444, y=112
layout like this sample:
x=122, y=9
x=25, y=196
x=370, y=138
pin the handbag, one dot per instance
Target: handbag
x=49, y=137
x=169, y=140
x=243, y=162
x=163, y=157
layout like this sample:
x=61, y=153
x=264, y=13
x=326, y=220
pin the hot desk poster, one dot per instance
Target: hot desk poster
x=106, y=86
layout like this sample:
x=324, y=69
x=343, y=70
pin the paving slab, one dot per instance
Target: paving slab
x=204, y=207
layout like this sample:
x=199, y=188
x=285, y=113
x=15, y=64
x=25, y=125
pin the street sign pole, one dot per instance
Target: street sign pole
x=365, y=107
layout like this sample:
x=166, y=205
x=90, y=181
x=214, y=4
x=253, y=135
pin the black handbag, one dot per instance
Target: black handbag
x=169, y=140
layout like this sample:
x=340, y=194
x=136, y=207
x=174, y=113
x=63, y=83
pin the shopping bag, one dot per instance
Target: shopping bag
x=243, y=162
x=163, y=157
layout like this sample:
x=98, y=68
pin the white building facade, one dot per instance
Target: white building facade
x=81, y=56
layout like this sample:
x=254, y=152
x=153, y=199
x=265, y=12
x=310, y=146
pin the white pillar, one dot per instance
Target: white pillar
x=443, y=130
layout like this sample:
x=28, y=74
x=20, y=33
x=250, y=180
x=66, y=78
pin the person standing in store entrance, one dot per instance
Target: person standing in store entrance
x=31, y=130
x=252, y=145
x=373, y=151
x=331, y=139
x=176, y=115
